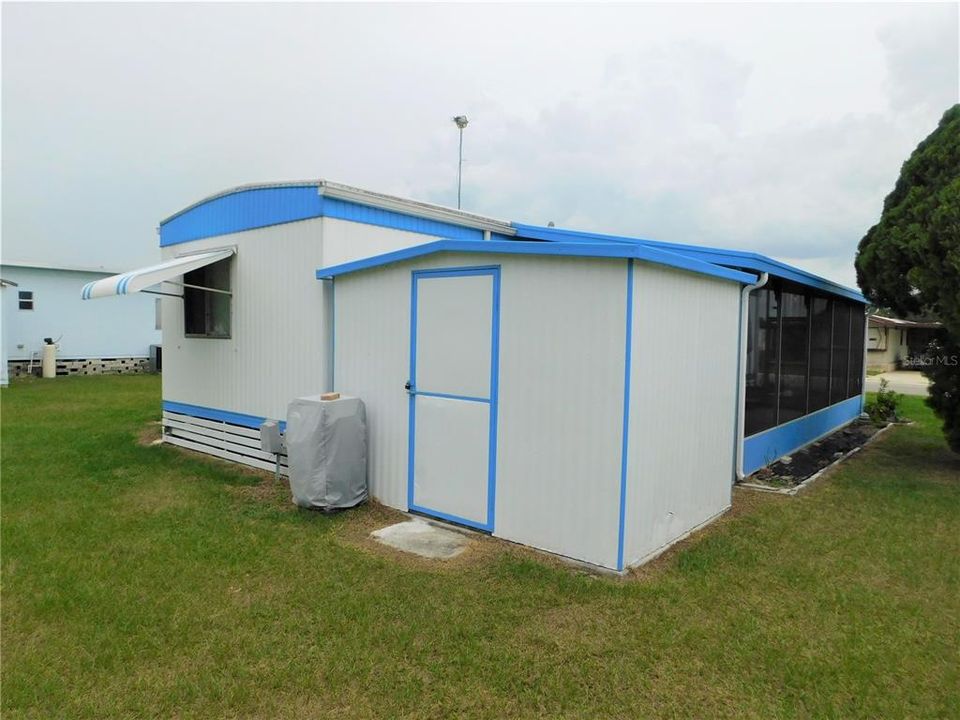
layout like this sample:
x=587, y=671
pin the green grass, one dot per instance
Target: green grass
x=144, y=582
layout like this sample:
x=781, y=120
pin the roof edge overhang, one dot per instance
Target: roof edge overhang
x=416, y=208
x=520, y=247
x=359, y=196
x=717, y=256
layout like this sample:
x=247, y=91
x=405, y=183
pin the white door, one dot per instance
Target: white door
x=453, y=394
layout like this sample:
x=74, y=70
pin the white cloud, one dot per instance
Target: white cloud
x=777, y=128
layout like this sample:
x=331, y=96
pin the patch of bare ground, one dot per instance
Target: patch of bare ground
x=370, y=516
x=150, y=434
x=155, y=496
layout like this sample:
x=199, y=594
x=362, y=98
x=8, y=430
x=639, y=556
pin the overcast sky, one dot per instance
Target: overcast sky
x=775, y=128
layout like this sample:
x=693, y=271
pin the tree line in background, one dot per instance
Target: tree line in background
x=910, y=260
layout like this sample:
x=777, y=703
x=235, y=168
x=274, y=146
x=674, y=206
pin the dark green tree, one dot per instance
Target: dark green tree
x=910, y=260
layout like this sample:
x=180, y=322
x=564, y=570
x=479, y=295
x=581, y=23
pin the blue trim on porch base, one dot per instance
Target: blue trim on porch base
x=768, y=446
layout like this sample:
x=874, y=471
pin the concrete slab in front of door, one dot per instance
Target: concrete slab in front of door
x=422, y=538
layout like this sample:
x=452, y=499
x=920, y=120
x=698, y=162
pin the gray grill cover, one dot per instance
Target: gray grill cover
x=327, y=452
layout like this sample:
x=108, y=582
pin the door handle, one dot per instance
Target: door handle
x=408, y=386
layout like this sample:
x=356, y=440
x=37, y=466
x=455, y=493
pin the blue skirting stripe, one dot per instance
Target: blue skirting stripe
x=768, y=446
x=207, y=413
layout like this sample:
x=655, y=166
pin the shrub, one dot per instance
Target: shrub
x=883, y=408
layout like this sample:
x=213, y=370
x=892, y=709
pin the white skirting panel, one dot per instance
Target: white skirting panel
x=219, y=439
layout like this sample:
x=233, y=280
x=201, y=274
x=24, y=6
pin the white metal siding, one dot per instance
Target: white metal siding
x=562, y=326
x=372, y=351
x=276, y=351
x=344, y=241
x=682, y=405
x=280, y=344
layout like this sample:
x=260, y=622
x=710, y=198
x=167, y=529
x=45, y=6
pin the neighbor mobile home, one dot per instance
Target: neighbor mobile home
x=42, y=301
x=594, y=396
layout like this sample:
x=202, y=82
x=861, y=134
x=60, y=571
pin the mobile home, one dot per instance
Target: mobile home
x=591, y=395
x=43, y=301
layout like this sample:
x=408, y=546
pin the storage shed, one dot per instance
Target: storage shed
x=591, y=395
x=553, y=394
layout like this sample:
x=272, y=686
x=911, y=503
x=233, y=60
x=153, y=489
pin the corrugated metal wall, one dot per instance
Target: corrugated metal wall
x=345, y=241
x=372, y=361
x=562, y=326
x=682, y=405
x=279, y=347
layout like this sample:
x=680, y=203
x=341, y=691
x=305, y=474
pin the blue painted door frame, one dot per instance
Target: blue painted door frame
x=416, y=277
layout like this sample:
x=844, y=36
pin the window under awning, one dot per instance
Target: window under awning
x=141, y=279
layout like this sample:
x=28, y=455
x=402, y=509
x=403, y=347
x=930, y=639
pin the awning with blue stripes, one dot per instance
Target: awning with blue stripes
x=143, y=278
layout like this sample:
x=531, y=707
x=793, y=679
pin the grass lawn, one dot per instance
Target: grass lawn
x=144, y=582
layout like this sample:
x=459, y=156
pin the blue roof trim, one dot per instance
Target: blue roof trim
x=553, y=234
x=514, y=247
x=243, y=210
x=718, y=256
x=250, y=208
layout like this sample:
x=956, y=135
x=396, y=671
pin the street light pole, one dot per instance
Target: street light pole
x=461, y=121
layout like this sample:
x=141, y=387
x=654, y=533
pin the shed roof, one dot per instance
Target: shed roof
x=518, y=247
x=719, y=256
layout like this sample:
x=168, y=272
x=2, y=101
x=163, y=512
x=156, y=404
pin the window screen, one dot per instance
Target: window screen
x=205, y=313
x=25, y=299
x=763, y=346
x=794, y=343
x=855, y=375
x=841, y=351
x=821, y=335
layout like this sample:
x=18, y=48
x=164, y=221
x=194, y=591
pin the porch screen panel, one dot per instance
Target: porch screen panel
x=794, y=343
x=821, y=336
x=763, y=351
x=841, y=351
